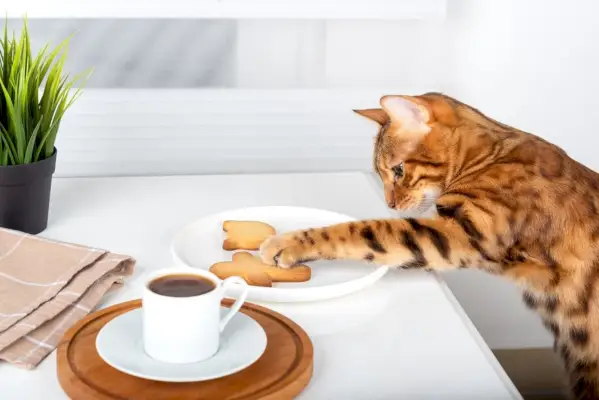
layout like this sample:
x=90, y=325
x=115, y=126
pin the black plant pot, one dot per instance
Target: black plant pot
x=25, y=195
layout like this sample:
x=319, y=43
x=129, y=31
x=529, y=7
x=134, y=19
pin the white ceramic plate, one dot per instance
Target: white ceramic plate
x=199, y=245
x=119, y=343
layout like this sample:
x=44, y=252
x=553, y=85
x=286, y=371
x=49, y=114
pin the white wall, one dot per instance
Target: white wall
x=533, y=64
x=143, y=53
x=249, y=54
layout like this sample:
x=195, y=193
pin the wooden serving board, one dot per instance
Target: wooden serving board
x=282, y=372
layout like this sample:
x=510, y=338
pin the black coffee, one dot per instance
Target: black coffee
x=181, y=285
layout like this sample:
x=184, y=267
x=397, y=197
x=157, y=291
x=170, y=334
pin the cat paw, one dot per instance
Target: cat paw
x=284, y=251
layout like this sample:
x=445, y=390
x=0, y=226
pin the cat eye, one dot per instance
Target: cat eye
x=398, y=170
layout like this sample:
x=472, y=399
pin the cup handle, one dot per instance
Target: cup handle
x=238, y=303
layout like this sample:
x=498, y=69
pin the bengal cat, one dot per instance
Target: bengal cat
x=507, y=202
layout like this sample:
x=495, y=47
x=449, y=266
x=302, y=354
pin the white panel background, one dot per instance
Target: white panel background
x=115, y=132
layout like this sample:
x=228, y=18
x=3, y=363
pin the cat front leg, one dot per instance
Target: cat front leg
x=406, y=243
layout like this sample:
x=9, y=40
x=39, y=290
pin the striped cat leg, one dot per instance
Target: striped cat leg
x=407, y=243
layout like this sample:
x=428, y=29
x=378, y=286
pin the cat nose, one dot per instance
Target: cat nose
x=391, y=203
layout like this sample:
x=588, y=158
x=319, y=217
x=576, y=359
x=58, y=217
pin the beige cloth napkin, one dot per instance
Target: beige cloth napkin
x=47, y=286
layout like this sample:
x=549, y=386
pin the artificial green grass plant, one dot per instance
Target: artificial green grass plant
x=34, y=95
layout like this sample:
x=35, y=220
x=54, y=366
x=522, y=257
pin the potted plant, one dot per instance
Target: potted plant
x=34, y=95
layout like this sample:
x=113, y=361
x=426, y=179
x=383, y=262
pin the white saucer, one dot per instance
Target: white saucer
x=119, y=344
x=199, y=245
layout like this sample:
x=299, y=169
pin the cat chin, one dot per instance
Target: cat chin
x=428, y=202
x=412, y=212
x=422, y=209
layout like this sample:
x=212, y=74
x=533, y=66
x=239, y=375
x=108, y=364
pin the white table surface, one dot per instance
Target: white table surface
x=404, y=337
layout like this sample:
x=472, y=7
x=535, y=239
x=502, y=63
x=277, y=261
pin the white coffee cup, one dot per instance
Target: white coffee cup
x=186, y=329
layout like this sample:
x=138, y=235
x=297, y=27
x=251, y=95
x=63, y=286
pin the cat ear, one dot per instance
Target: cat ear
x=374, y=114
x=409, y=113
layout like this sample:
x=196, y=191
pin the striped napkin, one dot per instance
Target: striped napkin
x=47, y=286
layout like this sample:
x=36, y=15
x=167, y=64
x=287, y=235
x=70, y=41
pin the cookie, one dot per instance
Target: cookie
x=256, y=273
x=246, y=235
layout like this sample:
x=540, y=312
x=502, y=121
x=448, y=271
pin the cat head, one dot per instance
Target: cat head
x=412, y=148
